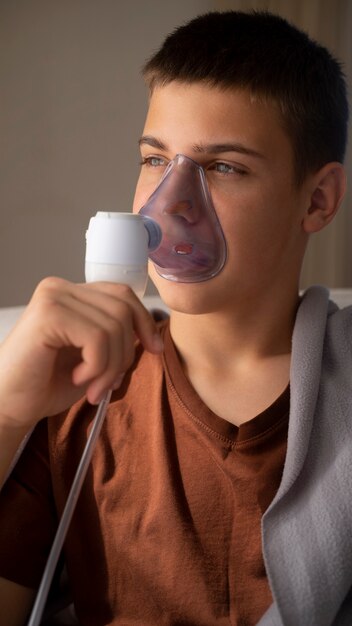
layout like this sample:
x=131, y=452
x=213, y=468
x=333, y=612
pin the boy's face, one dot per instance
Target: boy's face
x=248, y=161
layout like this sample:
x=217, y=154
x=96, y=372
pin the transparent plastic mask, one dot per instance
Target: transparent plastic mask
x=192, y=246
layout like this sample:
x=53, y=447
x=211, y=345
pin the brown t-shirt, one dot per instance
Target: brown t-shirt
x=167, y=527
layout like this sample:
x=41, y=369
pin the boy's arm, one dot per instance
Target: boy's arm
x=72, y=340
x=16, y=602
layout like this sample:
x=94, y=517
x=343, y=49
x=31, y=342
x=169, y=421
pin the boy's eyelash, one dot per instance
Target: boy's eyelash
x=233, y=169
x=147, y=160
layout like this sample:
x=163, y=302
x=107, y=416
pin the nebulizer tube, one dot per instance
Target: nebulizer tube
x=44, y=587
x=117, y=250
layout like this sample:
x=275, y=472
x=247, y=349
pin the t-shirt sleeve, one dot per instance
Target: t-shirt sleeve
x=28, y=518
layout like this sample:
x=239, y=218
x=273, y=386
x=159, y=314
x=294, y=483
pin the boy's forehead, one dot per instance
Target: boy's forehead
x=186, y=95
x=200, y=113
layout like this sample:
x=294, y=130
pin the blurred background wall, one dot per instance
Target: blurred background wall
x=72, y=106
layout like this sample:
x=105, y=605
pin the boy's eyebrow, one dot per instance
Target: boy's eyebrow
x=208, y=148
x=151, y=141
x=216, y=148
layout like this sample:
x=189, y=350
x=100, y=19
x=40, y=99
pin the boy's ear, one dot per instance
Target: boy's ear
x=328, y=189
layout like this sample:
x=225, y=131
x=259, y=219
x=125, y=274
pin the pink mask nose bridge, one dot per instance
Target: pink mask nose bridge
x=192, y=246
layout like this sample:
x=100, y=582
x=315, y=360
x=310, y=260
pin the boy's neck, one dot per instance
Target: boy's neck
x=237, y=360
x=254, y=329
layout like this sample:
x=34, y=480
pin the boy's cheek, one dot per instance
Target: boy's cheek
x=142, y=193
x=139, y=199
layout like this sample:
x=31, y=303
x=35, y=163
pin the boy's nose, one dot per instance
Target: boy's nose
x=182, y=208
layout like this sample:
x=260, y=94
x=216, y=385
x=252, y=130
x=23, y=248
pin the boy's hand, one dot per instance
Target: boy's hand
x=72, y=339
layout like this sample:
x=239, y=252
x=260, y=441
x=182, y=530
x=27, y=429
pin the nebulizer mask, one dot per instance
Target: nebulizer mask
x=177, y=228
x=192, y=246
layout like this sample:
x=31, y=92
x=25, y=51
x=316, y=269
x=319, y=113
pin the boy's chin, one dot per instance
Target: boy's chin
x=188, y=298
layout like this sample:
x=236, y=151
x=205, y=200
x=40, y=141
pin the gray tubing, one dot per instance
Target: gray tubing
x=61, y=532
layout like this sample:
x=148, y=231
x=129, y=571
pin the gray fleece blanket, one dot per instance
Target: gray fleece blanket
x=307, y=530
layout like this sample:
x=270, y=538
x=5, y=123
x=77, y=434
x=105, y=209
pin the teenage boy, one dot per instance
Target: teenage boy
x=219, y=492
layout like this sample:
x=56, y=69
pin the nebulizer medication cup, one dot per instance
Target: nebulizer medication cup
x=117, y=248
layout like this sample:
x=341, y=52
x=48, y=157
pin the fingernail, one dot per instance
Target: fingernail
x=158, y=343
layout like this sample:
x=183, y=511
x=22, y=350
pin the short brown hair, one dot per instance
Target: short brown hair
x=274, y=60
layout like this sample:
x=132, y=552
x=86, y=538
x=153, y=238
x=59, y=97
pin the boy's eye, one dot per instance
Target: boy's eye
x=153, y=161
x=227, y=169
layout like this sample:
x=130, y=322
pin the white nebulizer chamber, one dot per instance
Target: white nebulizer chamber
x=117, y=248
